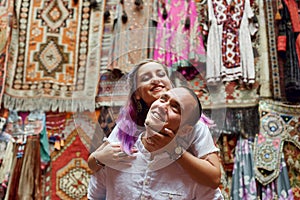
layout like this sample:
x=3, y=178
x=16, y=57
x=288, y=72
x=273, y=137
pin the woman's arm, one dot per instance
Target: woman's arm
x=206, y=171
x=109, y=154
x=93, y=163
x=98, y=152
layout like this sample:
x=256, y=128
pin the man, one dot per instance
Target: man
x=154, y=174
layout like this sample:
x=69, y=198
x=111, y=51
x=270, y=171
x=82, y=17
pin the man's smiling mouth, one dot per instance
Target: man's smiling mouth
x=158, y=116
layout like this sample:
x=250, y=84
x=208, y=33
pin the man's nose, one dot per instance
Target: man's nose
x=163, y=106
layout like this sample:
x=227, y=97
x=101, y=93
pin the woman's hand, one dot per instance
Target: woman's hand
x=160, y=140
x=110, y=154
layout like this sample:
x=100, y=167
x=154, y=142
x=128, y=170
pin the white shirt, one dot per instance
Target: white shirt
x=150, y=178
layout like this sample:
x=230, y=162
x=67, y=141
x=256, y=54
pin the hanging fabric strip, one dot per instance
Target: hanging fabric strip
x=278, y=123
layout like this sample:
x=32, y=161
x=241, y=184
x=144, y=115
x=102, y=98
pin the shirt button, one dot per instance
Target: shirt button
x=147, y=181
x=143, y=198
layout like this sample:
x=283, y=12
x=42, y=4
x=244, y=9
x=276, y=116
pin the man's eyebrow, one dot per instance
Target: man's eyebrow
x=178, y=104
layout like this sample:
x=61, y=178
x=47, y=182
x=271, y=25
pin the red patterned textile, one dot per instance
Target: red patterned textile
x=68, y=175
x=55, y=122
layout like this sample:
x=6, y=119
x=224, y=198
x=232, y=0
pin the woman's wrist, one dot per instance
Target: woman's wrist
x=98, y=163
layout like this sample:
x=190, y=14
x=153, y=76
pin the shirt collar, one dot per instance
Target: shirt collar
x=158, y=161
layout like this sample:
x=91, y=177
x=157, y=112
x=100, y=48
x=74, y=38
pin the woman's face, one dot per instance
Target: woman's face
x=152, y=82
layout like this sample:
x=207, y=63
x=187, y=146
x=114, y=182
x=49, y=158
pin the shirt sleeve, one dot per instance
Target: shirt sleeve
x=113, y=137
x=97, y=187
x=203, y=143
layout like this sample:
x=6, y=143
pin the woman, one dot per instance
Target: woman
x=148, y=80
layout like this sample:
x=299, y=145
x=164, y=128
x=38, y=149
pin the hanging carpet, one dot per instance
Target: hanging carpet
x=68, y=175
x=55, y=56
x=6, y=12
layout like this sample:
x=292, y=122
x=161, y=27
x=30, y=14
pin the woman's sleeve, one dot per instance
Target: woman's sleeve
x=113, y=137
x=202, y=143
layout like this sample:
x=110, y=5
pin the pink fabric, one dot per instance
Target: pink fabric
x=175, y=43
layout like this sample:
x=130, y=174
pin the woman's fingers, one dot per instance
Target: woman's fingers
x=169, y=132
x=122, y=156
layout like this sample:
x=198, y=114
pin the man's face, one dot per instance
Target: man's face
x=171, y=110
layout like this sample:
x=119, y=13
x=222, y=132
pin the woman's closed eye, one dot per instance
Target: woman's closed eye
x=161, y=73
x=145, y=78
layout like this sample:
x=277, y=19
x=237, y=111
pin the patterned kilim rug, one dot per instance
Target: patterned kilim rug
x=6, y=10
x=68, y=175
x=55, y=55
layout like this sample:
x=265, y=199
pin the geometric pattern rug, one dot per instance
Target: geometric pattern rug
x=55, y=60
x=68, y=175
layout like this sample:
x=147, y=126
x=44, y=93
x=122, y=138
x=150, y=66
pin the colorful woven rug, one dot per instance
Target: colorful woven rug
x=55, y=55
x=68, y=175
x=6, y=12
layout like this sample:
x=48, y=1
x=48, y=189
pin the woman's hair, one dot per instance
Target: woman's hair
x=132, y=116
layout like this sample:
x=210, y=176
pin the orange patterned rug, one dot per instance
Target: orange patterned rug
x=55, y=55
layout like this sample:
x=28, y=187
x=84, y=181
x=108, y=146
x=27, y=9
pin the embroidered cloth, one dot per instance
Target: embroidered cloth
x=55, y=56
x=229, y=48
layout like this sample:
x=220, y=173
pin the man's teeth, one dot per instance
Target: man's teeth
x=156, y=115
